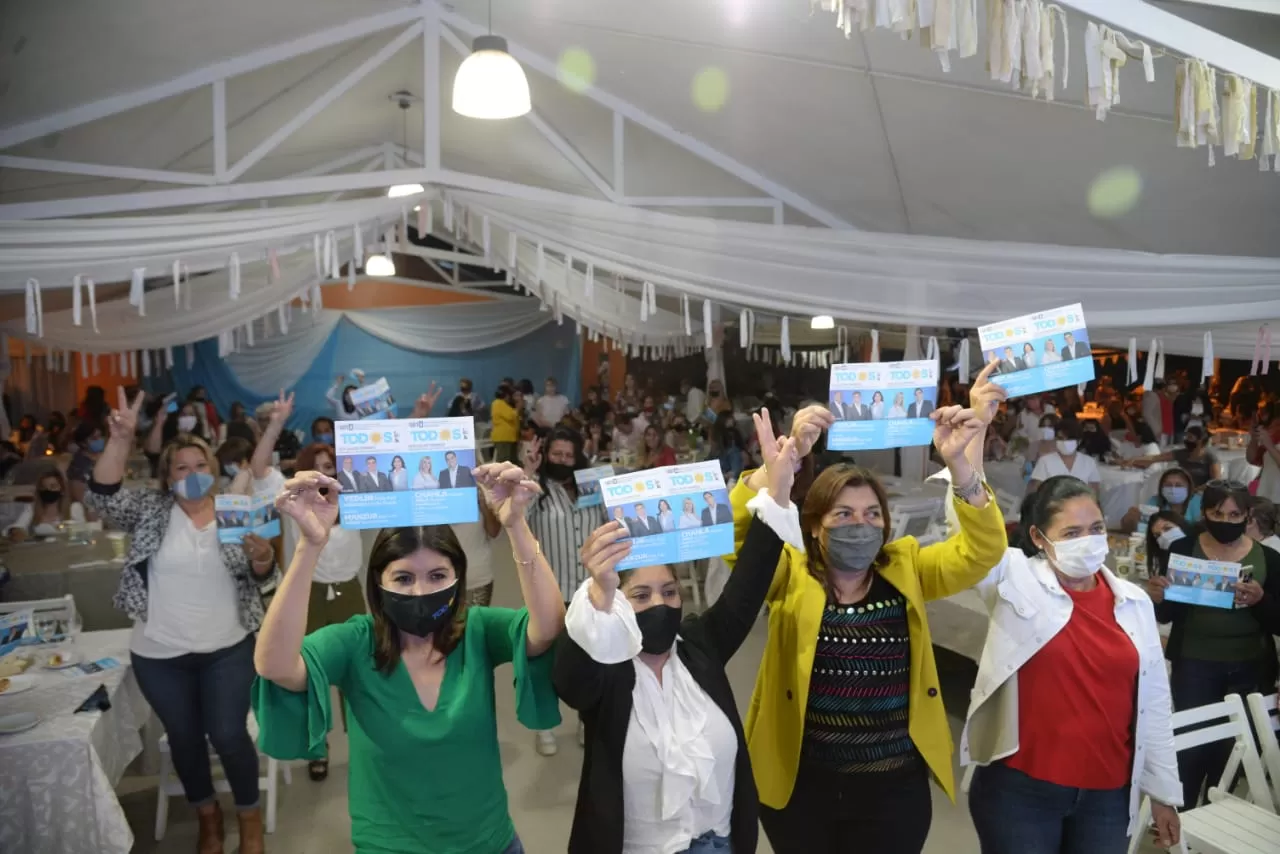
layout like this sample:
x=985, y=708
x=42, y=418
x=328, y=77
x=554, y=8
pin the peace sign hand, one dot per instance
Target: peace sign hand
x=533, y=456
x=426, y=401
x=124, y=421
x=283, y=409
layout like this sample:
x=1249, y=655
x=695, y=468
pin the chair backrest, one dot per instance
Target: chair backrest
x=1266, y=724
x=1224, y=721
x=62, y=607
x=1009, y=505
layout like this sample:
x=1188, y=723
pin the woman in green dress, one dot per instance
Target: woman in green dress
x=416, y=674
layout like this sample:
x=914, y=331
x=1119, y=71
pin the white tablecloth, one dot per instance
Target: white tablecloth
x=1121, y=490
x=57, y=781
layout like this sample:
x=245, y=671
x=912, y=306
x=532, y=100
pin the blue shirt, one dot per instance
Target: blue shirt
x=1193, y=506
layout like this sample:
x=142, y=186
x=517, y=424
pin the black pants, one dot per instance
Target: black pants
x=831, y=813
x=1199, y=683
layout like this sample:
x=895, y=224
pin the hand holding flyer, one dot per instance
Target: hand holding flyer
x=238, y=515
x=1202, y=582
x=374, y=401
x=676, y=513
x=588, y=481
x=1039, y=352
x=882, y=404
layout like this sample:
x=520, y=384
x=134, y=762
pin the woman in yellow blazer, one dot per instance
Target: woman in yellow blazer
x=847, y=722
x=506, y=424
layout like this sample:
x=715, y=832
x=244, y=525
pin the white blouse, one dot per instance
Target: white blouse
x=679, y=760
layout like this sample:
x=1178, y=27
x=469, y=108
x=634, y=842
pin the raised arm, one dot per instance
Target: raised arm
x=426, y=402
x=111, y=463
x=261, y=462
x=509, y=492
x=278, y=654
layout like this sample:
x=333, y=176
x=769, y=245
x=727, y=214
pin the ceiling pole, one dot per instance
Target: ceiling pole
x=368, y=167
x=220, y=130
x=125, y=173
x=619, y=155
x=431, y=86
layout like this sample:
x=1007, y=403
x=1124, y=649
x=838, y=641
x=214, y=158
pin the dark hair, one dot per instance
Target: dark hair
x=1265, y=515
x=560, y=434
x=1197, y=430
x=725, y=433
x=403, y=467
x=347, y=405
x=236, y=410
x=323, y=419
x=1165, y=475
x=1052, y=495
x=1157, y=558
x=234, y=450
x=1067, y=428
x=87, y=428
x=525, y=386
x=1025, y=511
x=306, y=459
x=1217, y=492
x=504, y=392
x=394, y=544
x=1143, y=431
x=1050, y=419
x=822, y=496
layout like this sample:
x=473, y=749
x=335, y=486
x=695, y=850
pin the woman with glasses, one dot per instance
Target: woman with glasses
x=1220, y=651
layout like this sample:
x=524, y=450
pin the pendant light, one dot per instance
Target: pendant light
x=379, y=265
x=404, y=100
x=822, y=321
x=490, y=84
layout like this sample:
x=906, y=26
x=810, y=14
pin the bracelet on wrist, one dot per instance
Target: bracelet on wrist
x=537, y=553
x=971, y=489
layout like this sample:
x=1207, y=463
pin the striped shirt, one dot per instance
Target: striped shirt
x=561, y=528
x=859, y=699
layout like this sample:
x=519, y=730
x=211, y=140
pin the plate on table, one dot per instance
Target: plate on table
x=60, y=660
x=16, y=685
x=20, y=722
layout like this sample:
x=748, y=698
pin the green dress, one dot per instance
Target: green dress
x=418, y=781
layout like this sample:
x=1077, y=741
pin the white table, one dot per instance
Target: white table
x=1121, y=489
x=1232, y=826
x=57, y=781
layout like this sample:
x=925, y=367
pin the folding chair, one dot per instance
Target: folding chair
x=1266, y=723
x=1227, y=824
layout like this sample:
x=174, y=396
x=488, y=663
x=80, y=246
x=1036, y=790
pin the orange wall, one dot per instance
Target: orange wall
x=372, y=293
x=591, y=351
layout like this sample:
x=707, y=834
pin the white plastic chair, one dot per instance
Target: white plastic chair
x=1266, y=724
x=171, y=786
x=1205, y=828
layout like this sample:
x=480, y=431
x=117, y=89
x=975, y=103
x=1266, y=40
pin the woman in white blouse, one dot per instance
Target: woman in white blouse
x=899, y=409
x=399, y=474
x=877, y=406
x=689, y=517
x=1051, y=353
x=52, y=506
x=424, y=479
x=652, y=690
x=1066, y=459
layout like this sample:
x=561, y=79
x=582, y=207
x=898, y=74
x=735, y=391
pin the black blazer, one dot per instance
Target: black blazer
x=1266, y=612
x=603, y=694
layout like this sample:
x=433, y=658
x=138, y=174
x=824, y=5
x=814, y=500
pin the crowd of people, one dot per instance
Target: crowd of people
x=1069, y=722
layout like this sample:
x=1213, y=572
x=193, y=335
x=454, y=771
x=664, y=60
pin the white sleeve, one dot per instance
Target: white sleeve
x=269, y=485
x=785, y=523
x=609, y=638
x=23, y=521
x=1159, y=776
x=77, y=512
x=1092, y=474
x=1041, y=471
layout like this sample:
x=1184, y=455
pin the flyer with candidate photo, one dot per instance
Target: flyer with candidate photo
x=1202, y=582
x=673, y=514
x=402, y=472
x=588, y=481
x=882, y=404
x=238, y=515
x=374, y=401
x=1039, y=352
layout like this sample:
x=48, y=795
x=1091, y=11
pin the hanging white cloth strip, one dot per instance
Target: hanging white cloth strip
x=540, y=263
x=589, y=282
x=746, y=328
x=138, y=290
x=448, y=213
x=1270, y=145
x=1148, y=380
x=1207, y=366
x=875, y=345
x=84, y=364
x=357, y=246
x=1133, y=361
x=842, y=344
x=233, y=275
x=146, y=363
x=644, y=301
x=35, y=309
x=963, y=361
x=786, y=338
x=485, y=236
x=315, y=248
x=1261, y=352
x=706, y=323
x=1160, y=361
x=179, y=278
x=688, y=320
x=133, y=363
x=931, y=352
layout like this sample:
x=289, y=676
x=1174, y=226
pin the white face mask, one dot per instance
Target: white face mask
x=1169, y=537
x=1197, y=409
x=186, y=423
x=1047, y=433
x=1081, y=557
x=1067, y=447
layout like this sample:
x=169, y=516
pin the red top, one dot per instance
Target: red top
x=1166, y=416
x=665, y=457
x=1076, y=700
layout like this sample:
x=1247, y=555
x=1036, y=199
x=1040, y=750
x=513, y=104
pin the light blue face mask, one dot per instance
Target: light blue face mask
x=96, y=445
x=194, y=486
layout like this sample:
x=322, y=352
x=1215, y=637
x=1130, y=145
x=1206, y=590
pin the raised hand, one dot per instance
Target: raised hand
x=604, y=549
x=311, y=500
x=282, y=410
x=258, y=549
x=985, y=396
x=507, y=489
x=807, y=427
x=782, y=471
x=954, y=428
x=426, y=402
x=124, y=420
x=533, y=456
x=769, y=444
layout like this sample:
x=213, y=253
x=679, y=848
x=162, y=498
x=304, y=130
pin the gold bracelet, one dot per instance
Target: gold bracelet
x=537, y=553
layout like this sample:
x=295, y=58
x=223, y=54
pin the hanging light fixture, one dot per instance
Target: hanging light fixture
x=399, y=190
x=490, y=84
x=379, y=265
x=404, y=99
x=822, y=321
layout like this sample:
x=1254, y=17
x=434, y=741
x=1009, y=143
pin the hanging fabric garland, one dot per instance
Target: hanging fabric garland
x=1261, y=352
x=963, y=361
x=706, y=323
x=1149, y=378
x=233, y=275
x=875, y=345
x=746, y=328
x=35, y=309
x=1207, y=365
x=138, y=290
x=1133, y=361
x=786, y=339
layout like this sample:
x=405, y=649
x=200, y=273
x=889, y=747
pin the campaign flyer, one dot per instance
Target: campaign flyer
x=1202, y=582
x=881, y=405
x=374, y=401
x=17, y=628
x=1039, y=352
x=673, y=514
x=238, y=515
x=589, y=485
x=402, y=472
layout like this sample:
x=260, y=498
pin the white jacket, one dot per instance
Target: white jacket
x=1028, y=607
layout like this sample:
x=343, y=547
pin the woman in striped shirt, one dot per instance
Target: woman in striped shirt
x=560, y=524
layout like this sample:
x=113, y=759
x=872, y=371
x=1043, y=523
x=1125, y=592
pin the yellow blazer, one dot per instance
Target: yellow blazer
x=775, y=721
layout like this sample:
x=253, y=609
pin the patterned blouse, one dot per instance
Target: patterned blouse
x=859, y=690
x=561, y=527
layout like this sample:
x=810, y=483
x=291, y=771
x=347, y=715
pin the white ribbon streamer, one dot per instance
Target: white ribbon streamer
x=1261, y=351
x=842, y=343
x=1160, y=360
x=512, y=244
x=964, y=361
x=357, y=246
x=1207, y=366
x=875, y=345
x=1148, y=381
x=688, y=320
x=84, y=364
x=133, y=363
x=448, y=213
x=146, y=363
x=706, y=323
x=589, y=282
x=485, y=235
x=35, y=309
x=138, y=290
x=315, y=248
x=746, y=328
x=931, y=352
x=786, y=338
x=540, y=267
x=233, y=274
x=1133, y=360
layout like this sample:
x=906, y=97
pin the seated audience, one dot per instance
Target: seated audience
x=1194, y=458
x=1065, y=458
x=52, y=505
x=1175, y=494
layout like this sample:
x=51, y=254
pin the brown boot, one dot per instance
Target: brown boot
x=251, y=841
x=212, y=833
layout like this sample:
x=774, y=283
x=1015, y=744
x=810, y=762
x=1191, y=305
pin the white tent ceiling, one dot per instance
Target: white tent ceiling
x=815, y=127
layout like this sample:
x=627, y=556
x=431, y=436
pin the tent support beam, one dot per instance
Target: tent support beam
x=220, y=130
x=544, y=127
x=206, y=76
x=619, y=154
x=126, y=173
x=431, y=87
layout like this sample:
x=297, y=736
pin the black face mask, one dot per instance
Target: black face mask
x=1225, y=532
x=658, y=627
x=559, y=472
x=1191, y=444
x=50, y=496
x=419, y=615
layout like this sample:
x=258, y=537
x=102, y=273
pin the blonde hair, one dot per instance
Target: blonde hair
x=180, y=443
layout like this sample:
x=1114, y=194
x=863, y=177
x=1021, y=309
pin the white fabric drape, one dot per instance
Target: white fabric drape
x=281, y=360
x=457, y=328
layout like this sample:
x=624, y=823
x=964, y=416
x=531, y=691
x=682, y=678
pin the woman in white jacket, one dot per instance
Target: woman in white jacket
x=1069, y=720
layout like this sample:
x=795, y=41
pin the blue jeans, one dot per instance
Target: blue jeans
x=709, y=843
x=1199, y=683
x=516, y=847
x=206, y=695
x=1017, y=814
